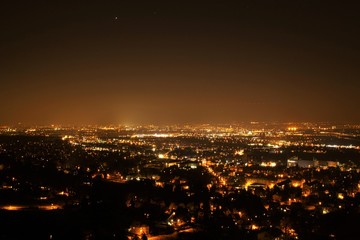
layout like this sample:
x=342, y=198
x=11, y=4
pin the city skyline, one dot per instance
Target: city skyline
x=251, y=182
x=127, y=62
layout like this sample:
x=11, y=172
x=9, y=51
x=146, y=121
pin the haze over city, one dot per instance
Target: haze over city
x=180, y=119
x=161, y=62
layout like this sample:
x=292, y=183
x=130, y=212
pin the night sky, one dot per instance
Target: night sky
x=173, y=61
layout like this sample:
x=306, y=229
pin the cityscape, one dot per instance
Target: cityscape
x=251, y=180
x=179, y=120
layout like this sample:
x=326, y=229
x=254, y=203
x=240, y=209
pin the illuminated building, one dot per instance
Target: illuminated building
x=296, y=162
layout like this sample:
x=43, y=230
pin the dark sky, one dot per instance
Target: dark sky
x=179, y=61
